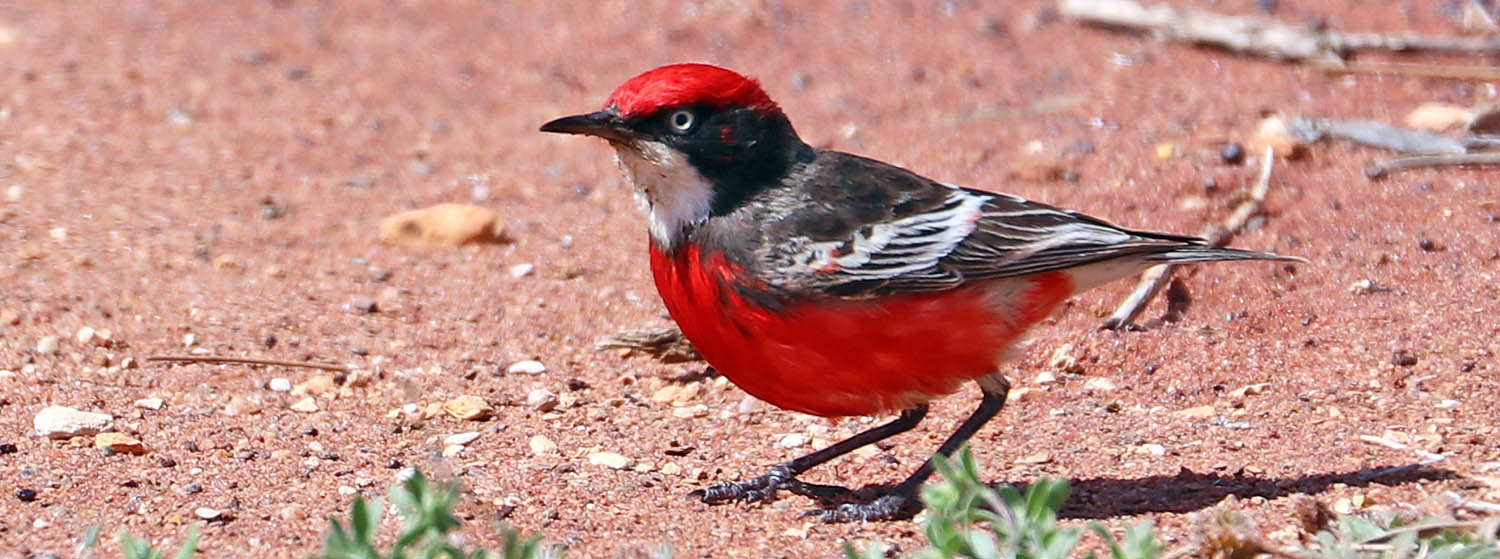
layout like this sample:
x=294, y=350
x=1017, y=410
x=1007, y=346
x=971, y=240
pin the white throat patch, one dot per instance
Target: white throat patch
x=668, y=186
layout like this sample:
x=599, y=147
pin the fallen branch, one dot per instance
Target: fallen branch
x=245, y=361
x=1217, y=235
x=1323, y=48
x=1380, y=168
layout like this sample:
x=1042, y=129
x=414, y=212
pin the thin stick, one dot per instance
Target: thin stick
x=1380, y=168
x=245, y=361
x=1218, y=235
x=1416, y=70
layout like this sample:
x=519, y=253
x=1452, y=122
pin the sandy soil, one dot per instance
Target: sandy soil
x=217, y=171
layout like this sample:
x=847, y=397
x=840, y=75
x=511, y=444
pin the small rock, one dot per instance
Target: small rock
x=315, y=386
x=1365, y=287
x=1232, y=153
x=468, y=407
x=1153, y=449
x=1403, y=358
x=690, y=412
x=189, y=339
x=541, y=445
x=149, y=403
x=452, y=450
x=792, y=440
x=1249, y=390
x=671, y=469
x=460, y=439
x=521, y=270
x=1065, y=359
x=1273, y=132
x=48, y=345
x=119, y=442
x=443, y=225
x=1045, y=377
x=9, y=317
x=280, y=384
x=1100, y=383
x=527, y=367
x=1166, y=150
x=1042, y=457
x=1439, y=117
x=365, y=304
x=85, y=335
x=26, y=495
x=305, y=405
x=1022, y=394
x=205, y=513
x=1200, y=412
x=610, y=460
x=542, y=399
x=59, y=422
x=347, y=490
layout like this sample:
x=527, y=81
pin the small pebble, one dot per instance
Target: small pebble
x=59, y=422
x=149, y=403
x=280, y=384
x=48, y=345
x=542, y=399
x=1200, y=412
x=521, y=270
x=460, y=439
x=610, y=460
x=467, y=407
x=541, y=445
x=1232, y=153
x=690, y=412
x=365, y=305
x=26, y=495
x=305, y=405
x=85, y=335
x=1045, y=377
x=793, y=440
x=1100, y=383
x=120, y=443
x=1154, y=449
x=205, y=513
x=1403, y=358
x=527, y=367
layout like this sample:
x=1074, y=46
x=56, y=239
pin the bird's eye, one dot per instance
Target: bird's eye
x=682, y=120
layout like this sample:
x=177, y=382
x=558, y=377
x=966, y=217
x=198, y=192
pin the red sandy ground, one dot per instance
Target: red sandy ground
x=156, y=133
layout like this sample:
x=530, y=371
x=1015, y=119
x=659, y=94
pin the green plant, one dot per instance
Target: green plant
x=427, y=511
x=135, y=548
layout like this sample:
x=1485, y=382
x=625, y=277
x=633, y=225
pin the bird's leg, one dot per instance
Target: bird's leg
x=901, y=502
x=784, y=475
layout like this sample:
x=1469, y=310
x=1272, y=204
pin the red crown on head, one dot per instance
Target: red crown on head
x=688, y=84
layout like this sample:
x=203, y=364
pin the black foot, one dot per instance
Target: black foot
x=894, y=506
x=764, y=489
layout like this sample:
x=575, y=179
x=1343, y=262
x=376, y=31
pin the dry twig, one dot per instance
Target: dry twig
x=1380, y=168
x=1323, y=48
x=245, y=361
x=1217, y=235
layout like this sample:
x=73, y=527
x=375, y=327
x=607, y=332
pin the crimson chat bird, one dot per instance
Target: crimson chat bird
x=836, y=285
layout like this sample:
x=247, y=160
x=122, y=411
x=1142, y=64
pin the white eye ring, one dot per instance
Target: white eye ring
x=682, y=120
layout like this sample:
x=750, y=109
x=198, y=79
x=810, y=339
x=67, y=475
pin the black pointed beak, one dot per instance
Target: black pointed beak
x=604, y=124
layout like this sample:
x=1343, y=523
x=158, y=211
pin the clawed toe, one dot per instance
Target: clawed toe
x=887, y=507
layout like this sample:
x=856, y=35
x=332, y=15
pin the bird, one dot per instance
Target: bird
x=836, y=285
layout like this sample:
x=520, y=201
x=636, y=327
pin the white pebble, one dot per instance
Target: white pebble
x=206, y=513
x=280, y=384
x=59, y=422
x=521, y=270
x=149, y=403
x=793, y=440
x=542, y=400
x=527, y=367
x=48, y=345
x=461, y=439
x=1154, y=449
x=610, y=460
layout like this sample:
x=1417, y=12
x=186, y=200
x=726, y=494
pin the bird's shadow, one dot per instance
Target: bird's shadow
x=1099, y=498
